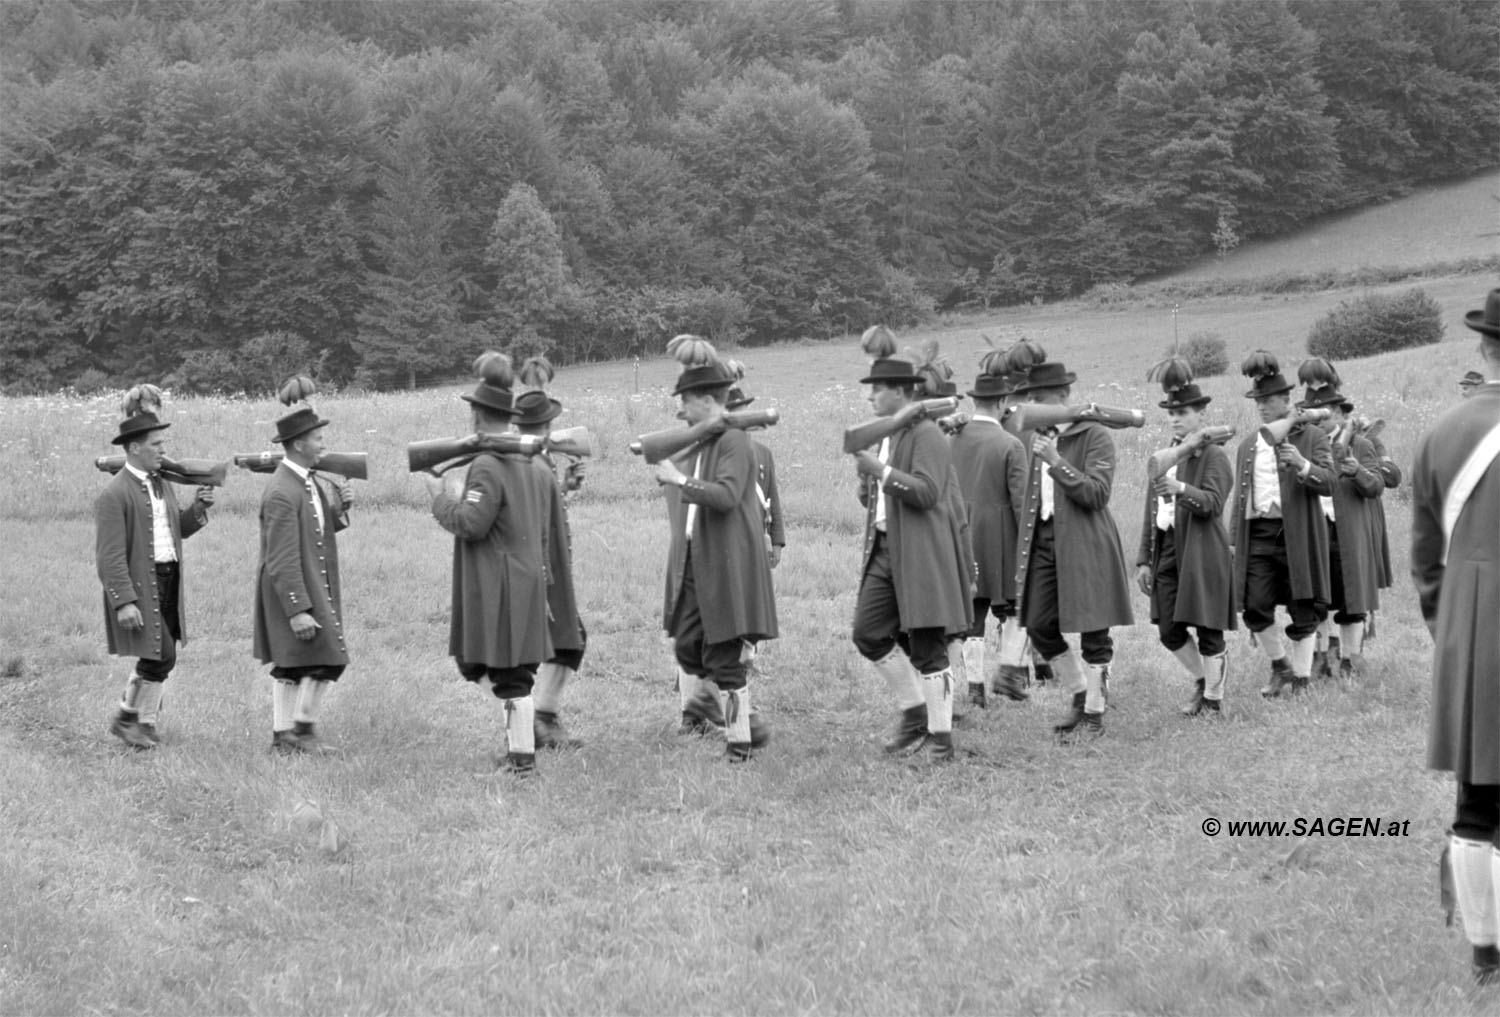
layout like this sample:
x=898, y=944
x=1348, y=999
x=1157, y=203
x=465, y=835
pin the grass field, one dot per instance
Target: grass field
x=641, y=874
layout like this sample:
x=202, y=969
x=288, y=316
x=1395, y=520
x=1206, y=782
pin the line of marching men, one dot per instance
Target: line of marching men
x=1007, y=518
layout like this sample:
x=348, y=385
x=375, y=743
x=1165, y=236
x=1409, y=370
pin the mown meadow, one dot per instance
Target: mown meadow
x=641, y=874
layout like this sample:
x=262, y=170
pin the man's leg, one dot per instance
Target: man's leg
x=929, y=655
x=877, y=624
x=1474, y=850
x=1214, y=653
x=551, y=678
x=1265, y=562
x=728, y=668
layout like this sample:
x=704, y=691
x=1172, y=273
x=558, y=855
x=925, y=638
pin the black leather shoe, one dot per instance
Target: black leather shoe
x=149, y=730
x=522, y=764
x=737, y=752
x=1282, y=679
x=285, y=743
x=911, y=730
x=1195, y=705
x=1487, y=965
x=1346, y=671
x=1042, y=672
x=550, y=733
x=1073, y=717
x=128, y=729
x=1010, y=682
x=308, y=740
x=760, y=731
x=977, y=696
x=693, y=724
x=935, y=748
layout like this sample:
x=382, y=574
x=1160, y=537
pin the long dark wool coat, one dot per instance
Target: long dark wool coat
x=1355, y=500
x=505, y=523
x=299, y=571
x=122, y=556
x=1205, y=597
x=731, y=573
x=991, y=467
x=1301, y=514
x=1093, y=591
x=1460, y=599
x=926, y=534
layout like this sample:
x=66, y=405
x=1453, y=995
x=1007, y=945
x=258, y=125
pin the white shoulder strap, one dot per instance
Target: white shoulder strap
x=1467, y=479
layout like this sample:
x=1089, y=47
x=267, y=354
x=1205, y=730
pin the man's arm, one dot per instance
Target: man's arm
x=469, y=512
x=110, y=536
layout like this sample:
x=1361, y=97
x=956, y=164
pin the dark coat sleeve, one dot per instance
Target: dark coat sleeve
x=283, y=550
x=1368, y=480
x=1426, y=533
x=1207, y=500
x=1322, y=475
x=778, y=527
x=932, y=460
x=470, y=516
x=1089, y=486
x=734, y=472
x=110, y=534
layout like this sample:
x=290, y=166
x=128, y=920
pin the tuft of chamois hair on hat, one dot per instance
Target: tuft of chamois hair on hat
x=537, y=373
x=1260, y=364
x=878, y=341
x=141, y=399
x=1317, y=373
x=493, y=368
x=1174, y=374
x=296, y=389
x=692, y=351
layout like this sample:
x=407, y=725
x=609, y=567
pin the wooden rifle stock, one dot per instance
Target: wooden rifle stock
x=350, y=465
x=193, y=472
x=1276, y=431
x=1164, y=459
x=435, y=452
x=660, y=445
x=571, y=441
x=862, y=436
x=1039, y=416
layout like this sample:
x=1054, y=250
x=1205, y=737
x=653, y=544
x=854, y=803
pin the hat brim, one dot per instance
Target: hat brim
x=126, y=439
x=700, y=386
x=739, y=403
x=313, y=425
x=553, y=411
x=1067, y=379
x=1475, y=320
x=1282, y=390
x=1172, y=404
x=509, y=411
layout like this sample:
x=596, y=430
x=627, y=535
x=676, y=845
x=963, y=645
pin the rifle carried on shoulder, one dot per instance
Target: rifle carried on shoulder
x=350, y=465
x=1276, y=431
x=873, y=432
x=660, y=445
x=438, y=455
x=193, y=472
x=1164, y=459
x=1039, y=416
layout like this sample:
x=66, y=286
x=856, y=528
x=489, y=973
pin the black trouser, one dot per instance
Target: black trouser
x=1268, y=582
x=572, y=659
x=317, y=672
x=877, y=619
x=168, y=580
x=1175, y=634
x=1336, y=576
x=1002, y=610
x=509, y=682
x=1477, y=816
x=1043, y=624
x=721, y=663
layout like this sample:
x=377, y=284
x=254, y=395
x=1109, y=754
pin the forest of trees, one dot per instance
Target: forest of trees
x=210, y=191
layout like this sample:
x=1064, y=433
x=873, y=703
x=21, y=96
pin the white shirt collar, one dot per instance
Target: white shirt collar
x=300, y=471
x=983, y=416
x=137, y=472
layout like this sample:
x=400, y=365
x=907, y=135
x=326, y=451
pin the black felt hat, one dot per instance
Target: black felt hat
x=1487, y=321
x=1047, y=374
x=1187, y=395
x=492, y=397
x=891, y=371
x=703, y=377
x=737, y=399
x=1269, y=385
x=297, y=423
x=1327, y=395
x=992, y=386
x=133, y=427
x=532, y=408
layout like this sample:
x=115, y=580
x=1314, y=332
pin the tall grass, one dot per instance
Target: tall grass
x=641, y=874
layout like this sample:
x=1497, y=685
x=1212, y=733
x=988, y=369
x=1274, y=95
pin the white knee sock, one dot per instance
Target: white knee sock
x=1475, y=865
x=736, y=706
x=1012, y=643
x=1187, y=655
x=1068, y=668
x=283, y=704
x=309, y=699
x=687, y=684
x=1270, y=643
x=1351, y=640
x=1325, y=630
x=547, y=692
x=1093, y=700
x=901, y=678
x=1302, y=657
x=132, y=694
x=957, y=663
x=520, y=732
x=937, y=689
x=148, y=701
x=973, y=656
x=1215, y=670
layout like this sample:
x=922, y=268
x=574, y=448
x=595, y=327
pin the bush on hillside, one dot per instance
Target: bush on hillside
x=1373, y=323
x=1206, y=353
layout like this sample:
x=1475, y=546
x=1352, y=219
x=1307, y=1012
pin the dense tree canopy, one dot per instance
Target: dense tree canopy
x=197, y=190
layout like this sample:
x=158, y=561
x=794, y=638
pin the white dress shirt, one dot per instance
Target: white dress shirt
x=312, y=494
x=162, y=548
x=692, y=511
x=1265, y=500
x=1166, y=508
x=884, y=456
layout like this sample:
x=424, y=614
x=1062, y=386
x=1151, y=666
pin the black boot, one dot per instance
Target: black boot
x=1010, y=682
x=911, y=729
x=549, y=732
x=1196, y=704
x=937, y=748
x=1042, y=672
x=1073, y=717
x=1487, y=965
x=1281, y=679
x=977, y=696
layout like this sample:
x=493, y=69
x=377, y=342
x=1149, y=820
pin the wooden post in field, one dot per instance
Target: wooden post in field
x=638, y=375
